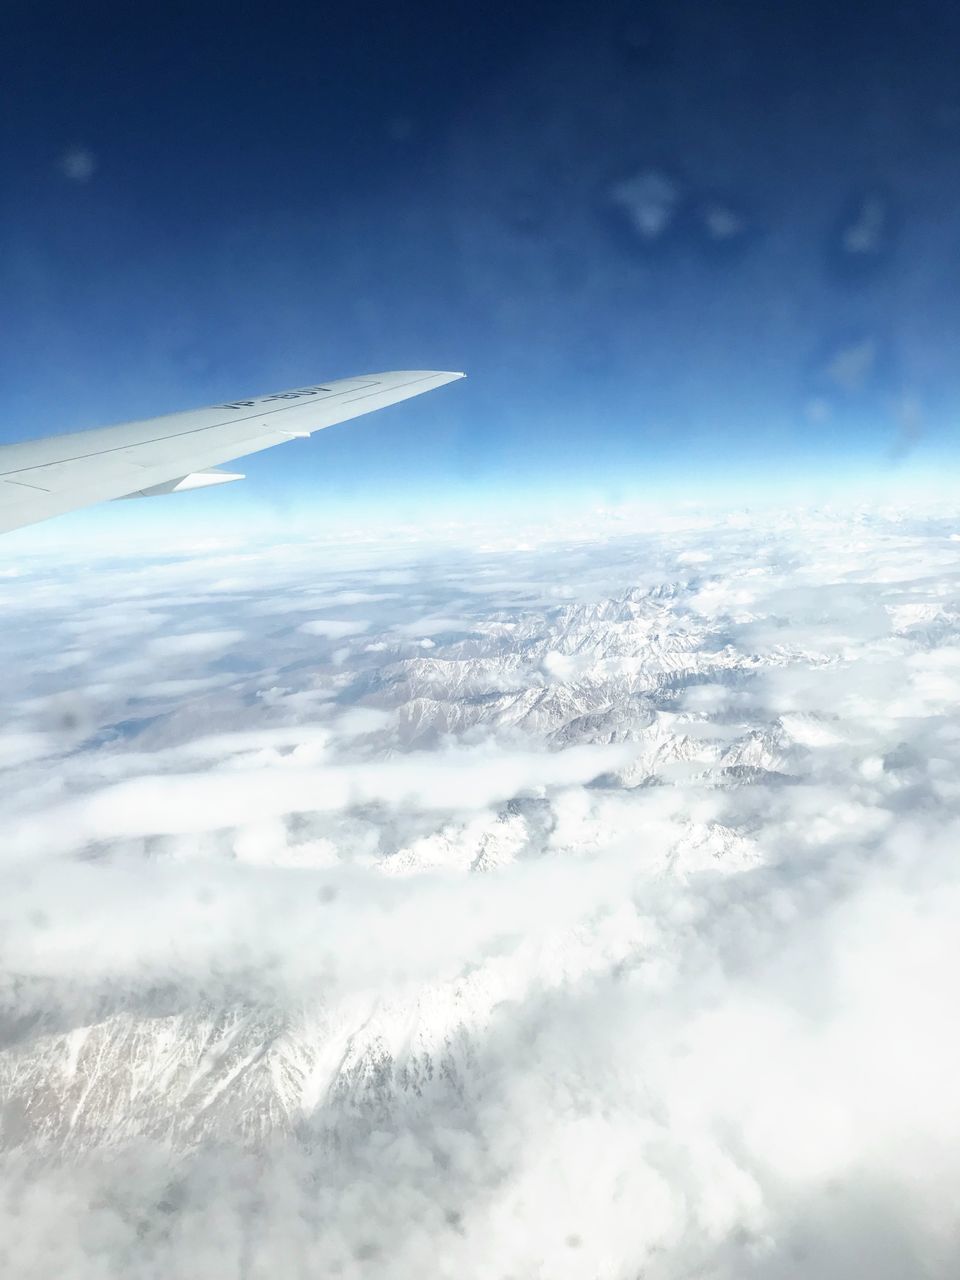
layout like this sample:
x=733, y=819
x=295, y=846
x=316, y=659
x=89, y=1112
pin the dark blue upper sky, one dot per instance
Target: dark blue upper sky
x=665, y=240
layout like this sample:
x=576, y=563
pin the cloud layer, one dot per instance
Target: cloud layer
x=613, y=934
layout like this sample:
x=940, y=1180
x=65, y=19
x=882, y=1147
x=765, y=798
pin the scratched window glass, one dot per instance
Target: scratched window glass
x=479, y=639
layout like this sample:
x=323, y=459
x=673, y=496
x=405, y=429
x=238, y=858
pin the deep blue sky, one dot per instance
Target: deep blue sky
x=671, y=243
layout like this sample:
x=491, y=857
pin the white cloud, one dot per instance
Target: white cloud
x=333, y=629
x=564, y=666
x=17, y=748
x=358, y=720
x=433, y=626
x=180, y=803
x=191, y=643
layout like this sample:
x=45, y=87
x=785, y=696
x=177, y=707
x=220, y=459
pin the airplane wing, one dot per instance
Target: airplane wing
x=41, y=478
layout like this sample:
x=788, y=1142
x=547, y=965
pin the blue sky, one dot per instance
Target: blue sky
x=679, y=249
